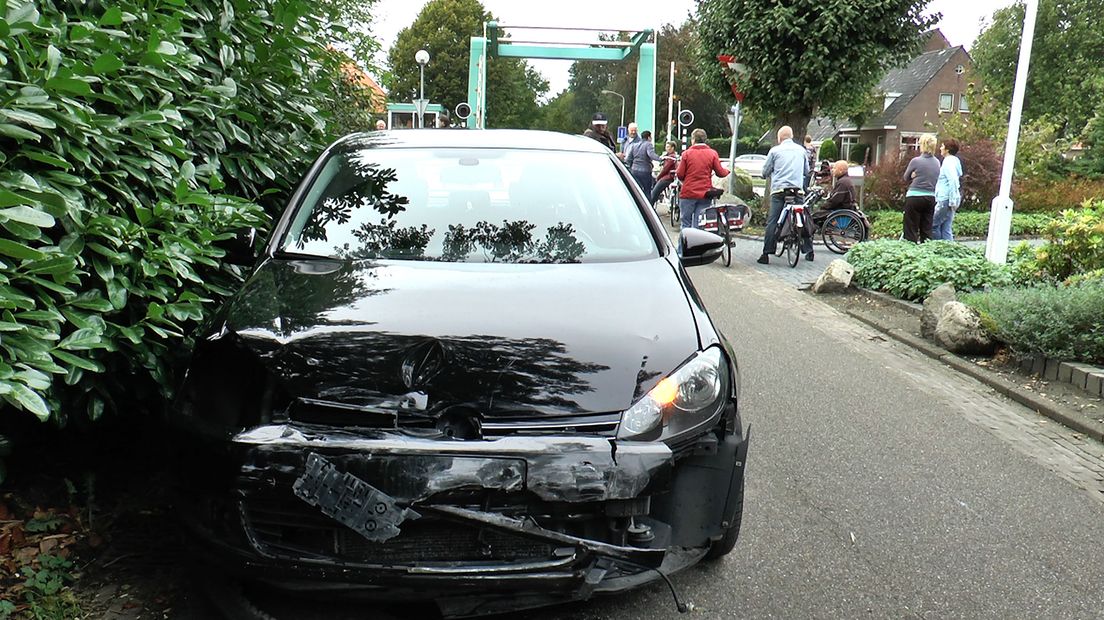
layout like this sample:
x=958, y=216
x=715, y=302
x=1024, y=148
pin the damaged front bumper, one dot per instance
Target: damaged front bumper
x=479, y=526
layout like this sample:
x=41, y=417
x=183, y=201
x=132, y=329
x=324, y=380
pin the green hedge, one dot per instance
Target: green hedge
x=1063, y=322
x=134, y=138
x=889, y=224
x=911, y=271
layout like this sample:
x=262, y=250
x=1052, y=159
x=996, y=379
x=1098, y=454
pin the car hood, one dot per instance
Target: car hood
x=508, y=339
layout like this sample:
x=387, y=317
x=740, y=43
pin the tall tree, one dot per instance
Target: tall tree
x=807, y=56
x=676, y=44
x=1066, y=81
x=347, y=24
x=444, y=28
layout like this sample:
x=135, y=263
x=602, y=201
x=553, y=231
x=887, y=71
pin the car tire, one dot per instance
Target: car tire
x=722, y=547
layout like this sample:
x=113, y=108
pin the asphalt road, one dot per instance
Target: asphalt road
x=882, y=484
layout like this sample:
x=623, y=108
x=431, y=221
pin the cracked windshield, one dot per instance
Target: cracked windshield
x=478, y=205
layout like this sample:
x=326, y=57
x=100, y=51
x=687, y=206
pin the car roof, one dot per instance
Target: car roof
x=471, y=138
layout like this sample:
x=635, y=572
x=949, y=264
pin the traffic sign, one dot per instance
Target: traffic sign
x=622, y=134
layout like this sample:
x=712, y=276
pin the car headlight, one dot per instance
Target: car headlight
x=687, y=398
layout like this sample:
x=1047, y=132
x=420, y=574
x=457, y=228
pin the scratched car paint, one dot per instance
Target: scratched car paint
x=469, y=368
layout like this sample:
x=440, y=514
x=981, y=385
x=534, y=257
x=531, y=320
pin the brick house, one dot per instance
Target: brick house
x=916, y=98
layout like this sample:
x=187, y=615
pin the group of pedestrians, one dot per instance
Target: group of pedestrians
x=694, y=170
x=931, y=201
x=934, y=193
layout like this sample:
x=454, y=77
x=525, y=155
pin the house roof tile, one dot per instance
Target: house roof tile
x=909, y=81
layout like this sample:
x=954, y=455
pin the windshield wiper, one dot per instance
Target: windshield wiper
x=303, y=255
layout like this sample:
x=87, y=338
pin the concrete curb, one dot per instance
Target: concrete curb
x=1055, y=411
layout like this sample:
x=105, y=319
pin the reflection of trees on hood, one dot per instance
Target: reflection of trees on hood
x=299, y=293
x=495, y=374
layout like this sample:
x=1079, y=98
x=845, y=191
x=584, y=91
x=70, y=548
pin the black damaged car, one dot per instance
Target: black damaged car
x=468, y=368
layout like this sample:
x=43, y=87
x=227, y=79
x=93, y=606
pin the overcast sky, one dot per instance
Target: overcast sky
x=961, y=21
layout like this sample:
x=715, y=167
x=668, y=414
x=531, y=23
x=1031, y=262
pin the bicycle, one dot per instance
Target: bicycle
x=723, y=220
x=840, y=229
x=673, y=201
x=792, y=226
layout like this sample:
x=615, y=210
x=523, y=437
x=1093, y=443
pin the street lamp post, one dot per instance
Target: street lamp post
x=1000, y=212
x=610, y=92
x=422, y=57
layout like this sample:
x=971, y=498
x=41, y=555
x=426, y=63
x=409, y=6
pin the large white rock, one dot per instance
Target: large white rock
x=959, y=330
x=933, y=306
x=836, y=278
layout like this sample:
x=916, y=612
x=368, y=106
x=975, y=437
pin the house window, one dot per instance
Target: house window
x=910, y=144
x=963, y=106
x=946, y=102
x=846, y=142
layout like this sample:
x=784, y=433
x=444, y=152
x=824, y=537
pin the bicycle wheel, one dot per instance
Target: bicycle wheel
x=793, y=246
x=726, y=251
x=673, y=210
x=842, y=230
x=780, y=244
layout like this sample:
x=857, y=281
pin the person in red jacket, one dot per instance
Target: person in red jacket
x=666, y=173
x=696, y=169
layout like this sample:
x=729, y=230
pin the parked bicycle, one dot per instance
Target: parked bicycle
x=724, y=220
x=672, y=198
x=793, y=224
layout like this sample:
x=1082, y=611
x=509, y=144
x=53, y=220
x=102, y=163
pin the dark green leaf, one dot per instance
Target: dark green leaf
x=28, y=118
x=28, y=215
x=18, y=250
x=112, y=17
x=80, y=340
x=17, y=132
x=22, y=396
x=78, y=361
x=107, y=63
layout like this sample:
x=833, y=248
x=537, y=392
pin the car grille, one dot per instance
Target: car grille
x=286, y=529
x=336, y=414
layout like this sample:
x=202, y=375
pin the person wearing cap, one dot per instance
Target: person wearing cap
x=597, y=131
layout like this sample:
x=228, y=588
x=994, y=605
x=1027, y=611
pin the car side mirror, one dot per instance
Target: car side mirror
x=698, y=247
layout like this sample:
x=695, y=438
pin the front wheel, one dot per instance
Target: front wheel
x=722, y=547
x=674, y=210
x=842, y=230
x=793, y=246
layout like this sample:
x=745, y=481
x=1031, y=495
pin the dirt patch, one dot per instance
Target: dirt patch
x=1003, y=364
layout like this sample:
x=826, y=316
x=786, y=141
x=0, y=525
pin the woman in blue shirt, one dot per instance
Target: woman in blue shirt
x=948, y=193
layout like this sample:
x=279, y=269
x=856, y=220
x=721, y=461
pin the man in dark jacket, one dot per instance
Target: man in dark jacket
x=842, y=195
x=639, y=160
x=597, y=131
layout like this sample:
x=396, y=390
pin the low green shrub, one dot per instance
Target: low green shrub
x=889, y=224
x=1063, y=322
x=1043, y=195
x=828, y=150
x=911, y=271
x=137, y=138
x=1096, y=275
x=1075, y=242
